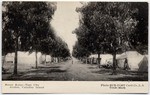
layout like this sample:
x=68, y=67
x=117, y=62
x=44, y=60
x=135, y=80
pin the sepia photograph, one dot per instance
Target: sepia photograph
x=74, y=41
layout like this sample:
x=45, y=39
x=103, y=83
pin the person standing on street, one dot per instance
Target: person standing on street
x=126, y=66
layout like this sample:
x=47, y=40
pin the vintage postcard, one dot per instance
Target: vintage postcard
x=74, y=47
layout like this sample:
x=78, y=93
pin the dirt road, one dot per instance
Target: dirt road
x=74, y=70
x=77, y=71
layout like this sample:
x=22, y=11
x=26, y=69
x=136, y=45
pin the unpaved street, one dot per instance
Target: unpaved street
x=74, y=70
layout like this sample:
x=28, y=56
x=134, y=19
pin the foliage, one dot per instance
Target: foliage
x=25, y=24
x=60, y=48
x=108, y=27
x=79, y=51
x=105, y=19
x=140, y=38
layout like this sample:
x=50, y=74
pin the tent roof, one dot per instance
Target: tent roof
x=129, y=54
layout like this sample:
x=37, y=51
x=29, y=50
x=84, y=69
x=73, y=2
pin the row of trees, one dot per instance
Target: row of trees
x=79, y=51
x=26, y=27
x=111, y=27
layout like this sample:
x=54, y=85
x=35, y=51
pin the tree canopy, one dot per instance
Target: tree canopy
x=112, y=27
x=26, y=27
x=79, y=51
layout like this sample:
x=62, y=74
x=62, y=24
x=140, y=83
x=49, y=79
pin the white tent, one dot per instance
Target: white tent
x=23, y=57
x=104, y=57
x=143, y=65
x=133, y=57
x=25, y=61
x=45, y=58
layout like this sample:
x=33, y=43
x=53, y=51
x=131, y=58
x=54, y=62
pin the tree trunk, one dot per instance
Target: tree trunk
x=52, y=60
x=45, y=59
x=36, y=64
x=114, y=63
x=86, y=60
x=3, y=61
x=93, y=60
x=57, y=60
x=90, y=61
x=99, y=63
x=16, y=56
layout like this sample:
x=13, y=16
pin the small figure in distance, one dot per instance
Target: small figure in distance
x=126, y=65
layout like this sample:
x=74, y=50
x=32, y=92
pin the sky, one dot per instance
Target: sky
x=65, y=20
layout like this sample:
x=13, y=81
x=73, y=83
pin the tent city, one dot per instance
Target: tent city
x=75, y=41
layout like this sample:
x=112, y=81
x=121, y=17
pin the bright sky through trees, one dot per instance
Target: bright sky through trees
x=65, y=20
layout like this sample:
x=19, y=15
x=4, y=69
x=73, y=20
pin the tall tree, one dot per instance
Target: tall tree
x=79, y=51
x=12, y=27
x=60, y=48
x=139, y=39
x=109, y=24
x=91, y=30
x=40, y=15
x=27, y=23
x=118, y=26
